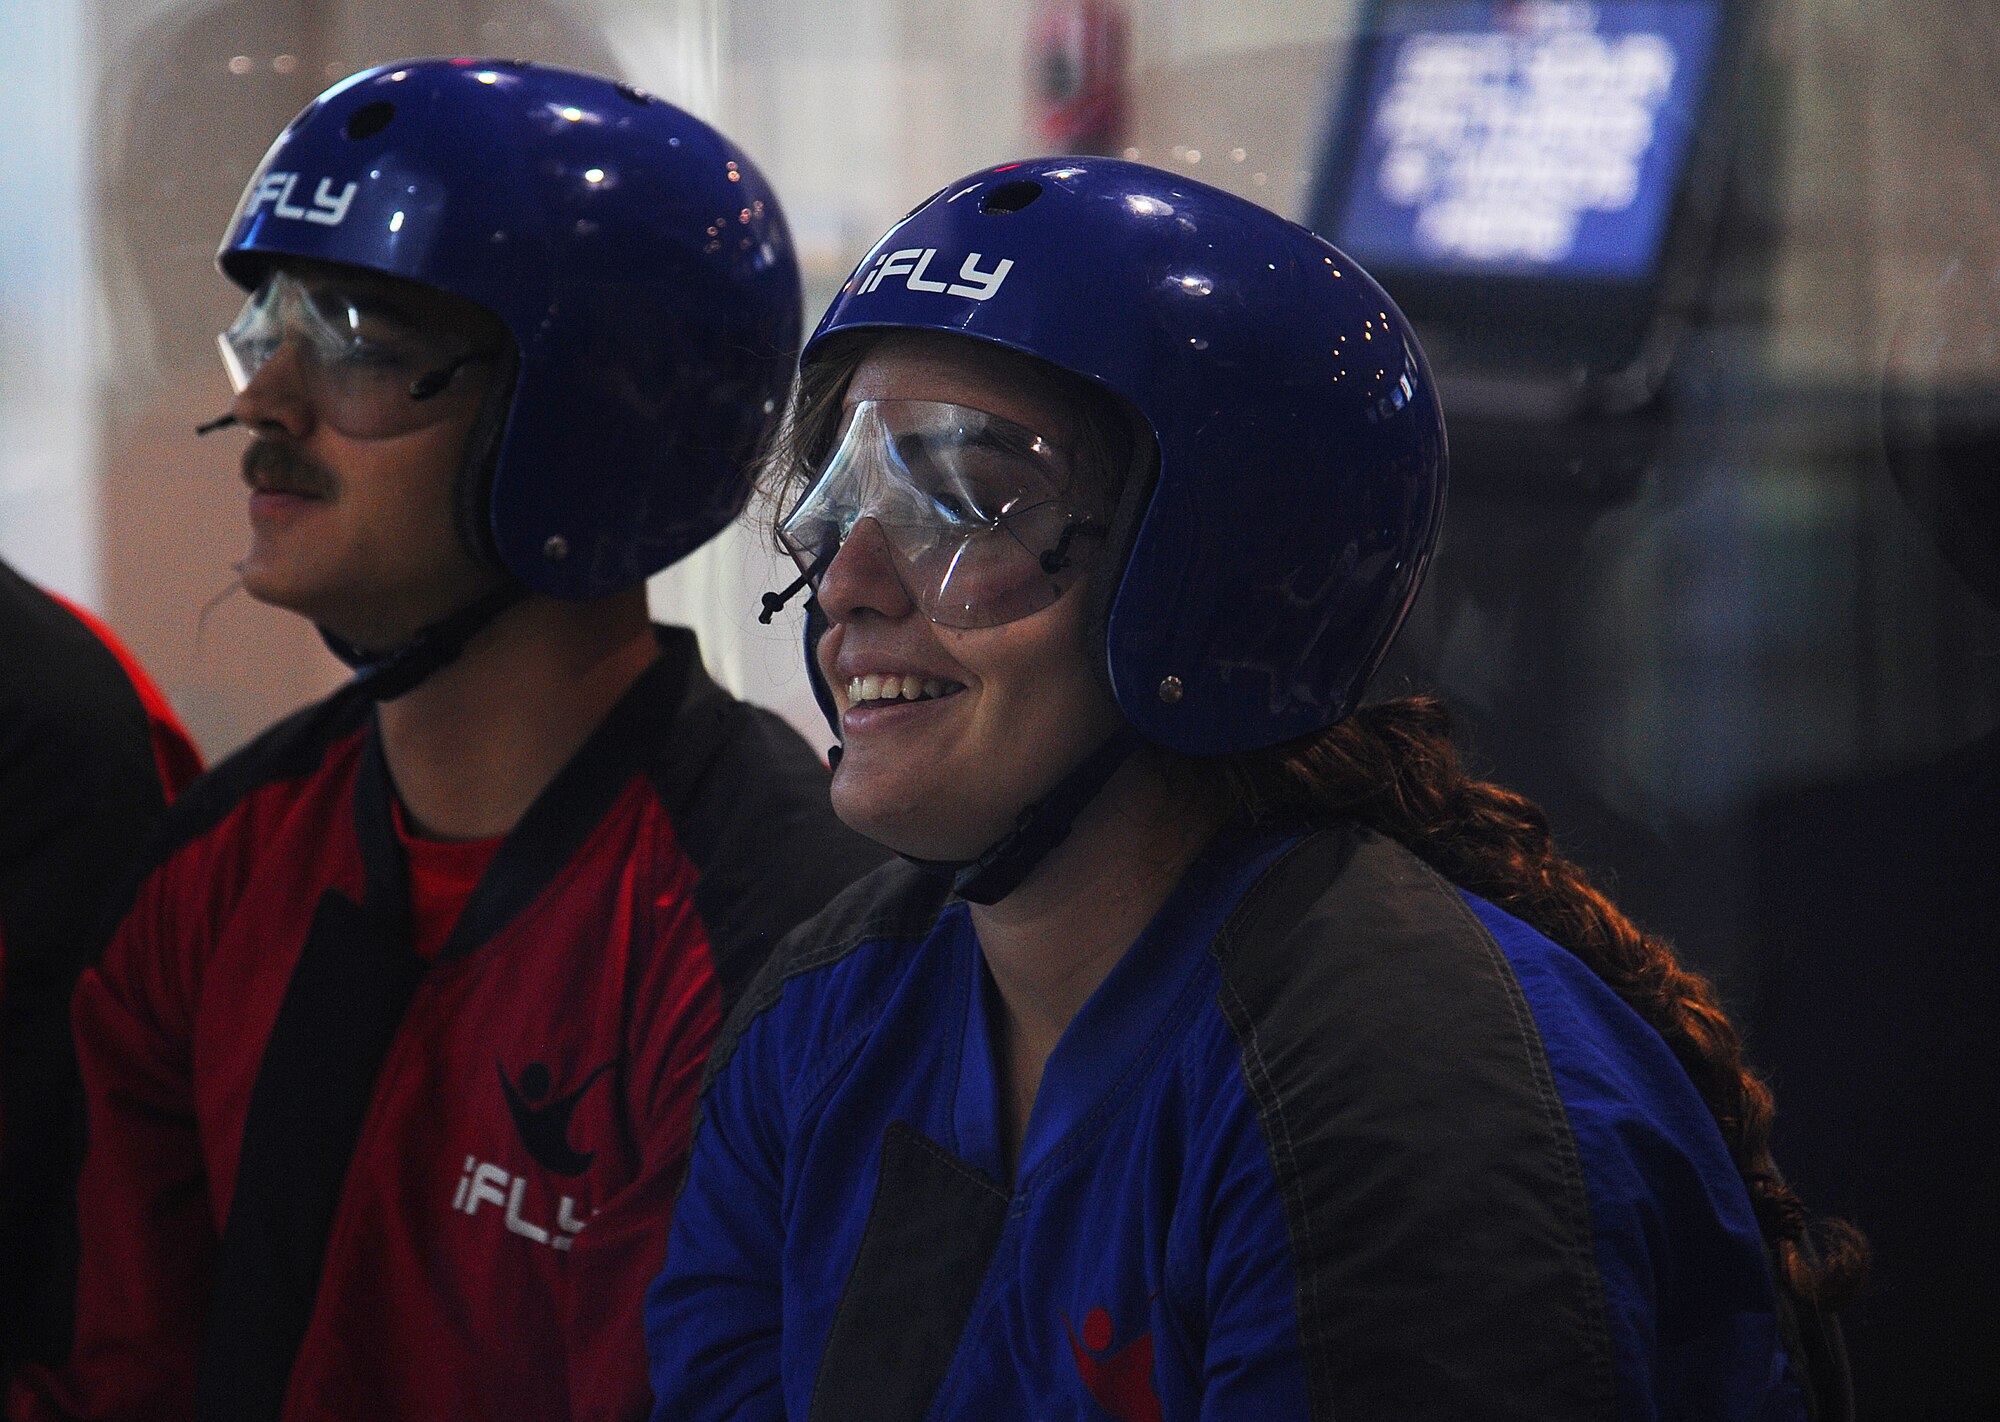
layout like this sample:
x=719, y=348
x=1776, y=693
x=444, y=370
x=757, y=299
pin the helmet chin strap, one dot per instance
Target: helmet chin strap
x=1037, y=830
x=384, y=676
x=1004, y=864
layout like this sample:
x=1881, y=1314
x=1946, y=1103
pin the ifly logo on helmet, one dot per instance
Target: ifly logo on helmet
x=329, y=209
x=911, y=264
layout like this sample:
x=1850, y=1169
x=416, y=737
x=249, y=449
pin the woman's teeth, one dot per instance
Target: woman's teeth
x=897, y=688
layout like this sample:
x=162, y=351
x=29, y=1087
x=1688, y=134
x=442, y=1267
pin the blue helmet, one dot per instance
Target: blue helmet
x=637, y=257
x=1301, y=473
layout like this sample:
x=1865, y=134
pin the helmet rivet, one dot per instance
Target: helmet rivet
x=1170, y=690
x=556, y=549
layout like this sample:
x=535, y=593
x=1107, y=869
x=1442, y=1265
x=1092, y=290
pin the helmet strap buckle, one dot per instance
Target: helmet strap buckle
x=384, y=676
x=1038, y=829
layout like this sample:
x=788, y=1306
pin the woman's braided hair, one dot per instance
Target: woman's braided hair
x=1393, y=768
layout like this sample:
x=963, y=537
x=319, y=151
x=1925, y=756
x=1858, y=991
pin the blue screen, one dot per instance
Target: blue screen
x=1539, y=137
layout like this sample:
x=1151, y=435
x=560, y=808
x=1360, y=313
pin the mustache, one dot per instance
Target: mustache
x=270, y=466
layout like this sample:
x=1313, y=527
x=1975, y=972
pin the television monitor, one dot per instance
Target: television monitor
x=1522, y=175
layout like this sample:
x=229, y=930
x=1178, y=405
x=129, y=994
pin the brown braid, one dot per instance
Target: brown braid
x=1392, y=767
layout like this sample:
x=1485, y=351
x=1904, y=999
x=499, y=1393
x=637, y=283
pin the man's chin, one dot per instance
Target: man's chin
x=271, y=587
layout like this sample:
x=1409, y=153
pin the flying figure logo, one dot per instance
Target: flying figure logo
x=1122, y=1382
x=543, y=1120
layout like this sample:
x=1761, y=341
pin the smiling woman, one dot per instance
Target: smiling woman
x=952, y=546
x=1223, y=1050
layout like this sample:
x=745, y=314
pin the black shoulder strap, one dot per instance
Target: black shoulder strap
x=346, y=998
x=1407, y=1102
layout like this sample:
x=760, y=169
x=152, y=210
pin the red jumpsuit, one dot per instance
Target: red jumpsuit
x=329, y=1179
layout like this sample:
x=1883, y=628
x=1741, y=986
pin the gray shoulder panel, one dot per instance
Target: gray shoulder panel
x=894, y=903
x=1432, y=1189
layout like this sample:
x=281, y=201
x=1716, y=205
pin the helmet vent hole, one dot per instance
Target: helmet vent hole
x=632, y=93
x=1010, y=197
x=369, y=119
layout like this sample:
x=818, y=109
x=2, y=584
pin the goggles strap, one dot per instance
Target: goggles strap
x=1037, y=830
x=384, y=676
x=775, y=601
x=482, y=458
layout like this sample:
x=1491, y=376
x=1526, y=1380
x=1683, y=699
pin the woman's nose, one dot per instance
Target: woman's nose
x=863, y=576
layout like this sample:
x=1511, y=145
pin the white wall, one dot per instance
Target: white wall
x=48, y=422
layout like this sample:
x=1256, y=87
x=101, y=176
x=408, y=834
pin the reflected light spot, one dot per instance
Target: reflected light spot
x=1194, y=155
x=1142, y=206
x=593, y=175
x=241, y=64
x=1196, y=285
x=1131, y=155
x=571, y=112
x=399, y=76
x=396, y=223
x=487, y=76
x=1237, y=155
x=285, y=63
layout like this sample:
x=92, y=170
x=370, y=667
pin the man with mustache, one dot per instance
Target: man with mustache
x=392, y=1061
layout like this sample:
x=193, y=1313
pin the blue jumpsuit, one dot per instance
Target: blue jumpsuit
x=1333, y=1139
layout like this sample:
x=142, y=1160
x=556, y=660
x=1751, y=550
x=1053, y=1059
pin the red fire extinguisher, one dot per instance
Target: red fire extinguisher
x=1080, y=60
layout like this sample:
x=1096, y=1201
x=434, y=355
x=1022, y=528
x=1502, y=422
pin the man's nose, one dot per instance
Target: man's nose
x=277, y=401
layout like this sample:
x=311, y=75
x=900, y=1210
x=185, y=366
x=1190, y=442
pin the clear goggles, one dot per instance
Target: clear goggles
x=975, y=512
x=368, y=367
